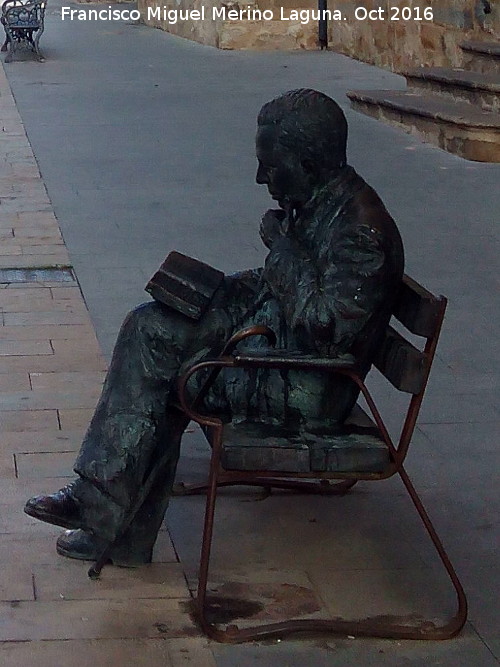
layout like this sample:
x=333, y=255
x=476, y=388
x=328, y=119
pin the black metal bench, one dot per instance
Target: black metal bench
x=23, y=23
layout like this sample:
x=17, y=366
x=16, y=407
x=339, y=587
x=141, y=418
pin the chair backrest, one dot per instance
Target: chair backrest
x=18, y=14
x=406, y=366
x=11, y=3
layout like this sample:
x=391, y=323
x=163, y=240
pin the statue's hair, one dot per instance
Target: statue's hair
x=310, y=124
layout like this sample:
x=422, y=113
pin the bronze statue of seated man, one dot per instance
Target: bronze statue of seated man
x=327, y=287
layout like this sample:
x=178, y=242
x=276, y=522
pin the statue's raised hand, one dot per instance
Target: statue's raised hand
x=272, y=226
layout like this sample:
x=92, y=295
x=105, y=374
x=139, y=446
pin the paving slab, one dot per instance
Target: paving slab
x=7, y=465
x=55, y=440
x=71, y=418
x=192, y=652
x=69, y=581
x=86, y=653
x=16, y=582
x=463, y=652
x=39, y=399
x=32, y=420
x=15, y=381
x=46, y=464
x=14, y=348
x=83, y=333
x=82, y=380
x=94, y=619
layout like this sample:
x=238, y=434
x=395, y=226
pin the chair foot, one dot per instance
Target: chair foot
x=424, y=630
x=389, y=627
x=183, y=489
x=186, y=489
x=323, y=487
x=302, y=486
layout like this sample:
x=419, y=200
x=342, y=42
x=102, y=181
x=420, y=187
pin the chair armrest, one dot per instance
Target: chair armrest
x=292, y=360
x=284, y=360
x=215, y=366
x=248, y=332
x=280, y=359
x=345, y=365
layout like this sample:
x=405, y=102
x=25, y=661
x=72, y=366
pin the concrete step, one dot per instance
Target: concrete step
x=482, y=56
x=454, y=126
x=482, y=90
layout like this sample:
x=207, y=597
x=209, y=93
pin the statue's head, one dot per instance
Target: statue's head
x=301, y=143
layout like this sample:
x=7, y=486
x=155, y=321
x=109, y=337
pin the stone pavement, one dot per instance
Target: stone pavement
x=144, y=142
x=51, y=369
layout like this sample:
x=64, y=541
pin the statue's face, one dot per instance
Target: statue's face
x=287, y=180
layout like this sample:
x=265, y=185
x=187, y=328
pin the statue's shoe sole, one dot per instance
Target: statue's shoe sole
x=54, y=519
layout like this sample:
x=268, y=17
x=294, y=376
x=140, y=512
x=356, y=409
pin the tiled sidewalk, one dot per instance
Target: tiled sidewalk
x=51, y=370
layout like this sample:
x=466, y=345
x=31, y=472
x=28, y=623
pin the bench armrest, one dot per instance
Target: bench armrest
x=279, y=359
x=291, y=360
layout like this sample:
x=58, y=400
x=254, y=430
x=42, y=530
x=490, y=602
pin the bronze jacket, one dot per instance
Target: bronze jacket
x=327, y=288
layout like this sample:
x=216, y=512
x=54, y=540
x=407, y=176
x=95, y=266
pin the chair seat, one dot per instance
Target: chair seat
x=356, y=446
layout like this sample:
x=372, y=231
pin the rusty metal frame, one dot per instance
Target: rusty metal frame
x=314, y=481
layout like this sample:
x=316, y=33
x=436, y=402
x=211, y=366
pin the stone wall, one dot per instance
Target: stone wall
x=233, y=34
x=395, y=44
x=205, y=31
x=400, y=44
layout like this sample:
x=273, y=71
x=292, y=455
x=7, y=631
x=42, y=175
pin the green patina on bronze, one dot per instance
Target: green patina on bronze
x=327, y=288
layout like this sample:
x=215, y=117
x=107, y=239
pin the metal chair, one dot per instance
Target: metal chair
x=23, y=23
x=249, y=454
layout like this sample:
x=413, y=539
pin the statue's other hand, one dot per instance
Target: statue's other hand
x=271, y=226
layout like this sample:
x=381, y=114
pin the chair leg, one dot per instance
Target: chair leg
x=11, y=46
x=364, y=628
x=36, y=41
x=208, y=532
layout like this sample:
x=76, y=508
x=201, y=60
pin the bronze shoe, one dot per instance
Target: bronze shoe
x=83, y=545
x=61, y=508
x=79, y=544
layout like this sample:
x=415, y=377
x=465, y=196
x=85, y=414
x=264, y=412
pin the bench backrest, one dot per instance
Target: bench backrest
x=18, y=14
x=399, y=360
x=406, y=366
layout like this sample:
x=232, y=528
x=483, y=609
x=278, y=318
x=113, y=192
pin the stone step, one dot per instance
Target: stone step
x=482, y=56
x=482, y=90
x=454, y=126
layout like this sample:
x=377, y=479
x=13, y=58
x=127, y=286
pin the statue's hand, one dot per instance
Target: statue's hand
x=272, y=226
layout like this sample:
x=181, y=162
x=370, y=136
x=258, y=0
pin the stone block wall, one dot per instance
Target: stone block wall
x=401, y=44
x=233, y=34
x=395, y=35
x=204, y=30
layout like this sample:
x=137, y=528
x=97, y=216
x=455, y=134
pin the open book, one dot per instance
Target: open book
x=185, y=284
